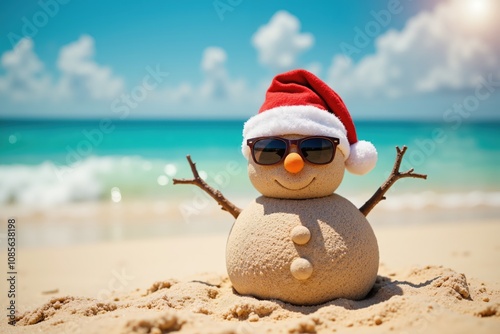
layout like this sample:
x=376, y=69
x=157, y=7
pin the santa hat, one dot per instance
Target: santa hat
x=298, y=102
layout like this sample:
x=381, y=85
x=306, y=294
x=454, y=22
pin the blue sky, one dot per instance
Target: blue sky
x=388, y=59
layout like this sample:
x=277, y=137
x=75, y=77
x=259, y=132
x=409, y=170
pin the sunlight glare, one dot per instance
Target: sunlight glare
x=478, y=7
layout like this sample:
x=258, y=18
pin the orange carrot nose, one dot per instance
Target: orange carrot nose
x=294, y=163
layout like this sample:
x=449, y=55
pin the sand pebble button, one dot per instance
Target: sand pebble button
x=301, y=268
x=300, y=235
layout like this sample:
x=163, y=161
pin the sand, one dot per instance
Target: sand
x=441, y=278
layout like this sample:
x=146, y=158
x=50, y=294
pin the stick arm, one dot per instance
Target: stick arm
x=395, y=175
x=225, y=204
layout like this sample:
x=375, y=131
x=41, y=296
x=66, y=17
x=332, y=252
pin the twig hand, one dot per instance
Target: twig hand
x=225, y=204
x=393, y=177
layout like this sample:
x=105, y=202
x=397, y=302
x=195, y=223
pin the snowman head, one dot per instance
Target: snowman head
x=295, y=166
x=302, y=140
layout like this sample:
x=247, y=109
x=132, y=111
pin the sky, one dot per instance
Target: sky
x=214, y=59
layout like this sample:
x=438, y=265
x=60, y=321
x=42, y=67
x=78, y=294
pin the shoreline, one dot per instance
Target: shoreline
x=91, y=222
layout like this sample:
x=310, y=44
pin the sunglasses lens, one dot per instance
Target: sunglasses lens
x=318, y=150
x=269, y=151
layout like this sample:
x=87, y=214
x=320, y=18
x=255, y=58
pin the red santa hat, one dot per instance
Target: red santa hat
x=298, y=102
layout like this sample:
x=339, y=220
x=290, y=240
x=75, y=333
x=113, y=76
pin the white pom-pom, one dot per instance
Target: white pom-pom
x=362, y=158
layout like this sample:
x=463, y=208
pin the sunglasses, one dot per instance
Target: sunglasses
x=317, y=150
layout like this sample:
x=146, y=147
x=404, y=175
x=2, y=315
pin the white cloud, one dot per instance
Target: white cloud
x=25, y=78
x=217, y=94
x=280, y=41
x=216, y=87
x=82, y=76
x=180, y=94
x=217, y=84
x=447, y=48
x=213, y=60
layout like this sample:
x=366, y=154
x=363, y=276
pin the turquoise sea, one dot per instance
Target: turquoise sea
x=87, y=181
x=54, y=162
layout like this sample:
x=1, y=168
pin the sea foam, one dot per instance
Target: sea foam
x=95, y=178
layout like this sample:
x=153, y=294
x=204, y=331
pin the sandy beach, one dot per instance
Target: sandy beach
x=239, y=167
x=433, y=278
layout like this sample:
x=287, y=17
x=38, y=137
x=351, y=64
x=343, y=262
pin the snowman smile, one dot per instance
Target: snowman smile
x=295, y=189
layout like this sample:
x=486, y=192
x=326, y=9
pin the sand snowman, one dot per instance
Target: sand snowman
x=300, y=242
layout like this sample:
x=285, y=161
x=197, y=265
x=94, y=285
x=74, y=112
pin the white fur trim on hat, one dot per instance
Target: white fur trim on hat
x=362, y=159
x=303, y=120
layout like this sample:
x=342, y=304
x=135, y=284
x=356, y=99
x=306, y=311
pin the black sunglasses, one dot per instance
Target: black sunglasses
x=318, y=150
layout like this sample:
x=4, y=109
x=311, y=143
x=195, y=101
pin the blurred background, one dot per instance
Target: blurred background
x=101, y=101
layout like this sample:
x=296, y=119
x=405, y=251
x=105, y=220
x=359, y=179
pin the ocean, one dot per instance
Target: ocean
x=50, y=164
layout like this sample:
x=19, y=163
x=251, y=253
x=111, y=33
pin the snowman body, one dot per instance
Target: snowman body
x=300, y=242
x=302, y=251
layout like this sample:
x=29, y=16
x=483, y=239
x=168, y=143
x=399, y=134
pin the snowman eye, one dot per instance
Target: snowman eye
x=317, y=150
x=269, y=151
